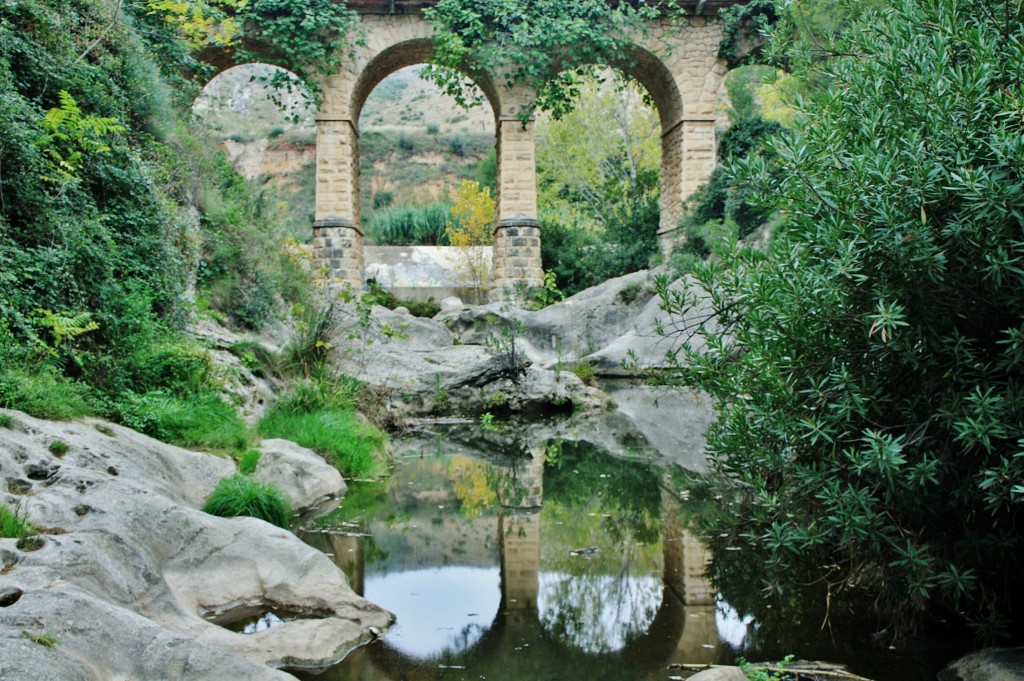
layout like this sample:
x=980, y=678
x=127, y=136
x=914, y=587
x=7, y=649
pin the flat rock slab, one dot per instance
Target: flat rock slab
x=720, y=674
x=129, y=566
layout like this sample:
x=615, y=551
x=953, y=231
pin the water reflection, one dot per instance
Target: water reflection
x=440, y=612
x=597, y=613
x=525, y=557
x=542, y=561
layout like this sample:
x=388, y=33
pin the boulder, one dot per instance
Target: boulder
x=424, y=371
x=302, y=474
x=564, y=331
x=130, y=570
x=451, y=303
x=993, y=664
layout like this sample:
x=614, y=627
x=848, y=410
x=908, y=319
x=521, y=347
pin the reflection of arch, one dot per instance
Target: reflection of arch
x=682, y=629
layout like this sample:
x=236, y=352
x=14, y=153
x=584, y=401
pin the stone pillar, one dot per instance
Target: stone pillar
x=337, y=236
x=517, y=231
x=688, y=156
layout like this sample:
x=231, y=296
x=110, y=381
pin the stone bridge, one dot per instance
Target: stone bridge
x=676, y=61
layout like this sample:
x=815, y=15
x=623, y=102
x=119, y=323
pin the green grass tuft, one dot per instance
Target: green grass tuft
x=248, y=462
x=43, y=393
x=353, y=446
x=204, y=421
x=239, y=495
x=14, y=525
x=7, y=421
x=59, y=447
x=42, y=638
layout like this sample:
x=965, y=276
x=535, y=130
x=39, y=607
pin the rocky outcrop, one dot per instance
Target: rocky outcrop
x=130, y=573
x=423, y=370
x=462, y=362
x=619, y=320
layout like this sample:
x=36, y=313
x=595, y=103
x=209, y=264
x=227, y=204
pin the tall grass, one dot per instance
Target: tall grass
x=409, y=225
x=319, y=415
x=14, y=525
x=42, y=392
x=238, y=495
x=204, y=421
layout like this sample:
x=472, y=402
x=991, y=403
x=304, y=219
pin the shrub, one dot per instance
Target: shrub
x=315, y=329
x=256, y=358
x=586, y=372
x=408, y=225
x=868, y=369
x=378, y=295
x=238, y=495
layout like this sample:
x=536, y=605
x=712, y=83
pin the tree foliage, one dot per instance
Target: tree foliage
x=112, y=213
x=310, y=38
x=471, y=227
x=868, y=370
x=598, y=182
x=545, y=45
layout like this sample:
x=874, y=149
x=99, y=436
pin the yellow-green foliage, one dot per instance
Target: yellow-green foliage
x=471, y=227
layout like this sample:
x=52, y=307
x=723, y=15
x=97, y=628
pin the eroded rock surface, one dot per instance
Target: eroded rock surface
x=128, y=566
x=460, y=358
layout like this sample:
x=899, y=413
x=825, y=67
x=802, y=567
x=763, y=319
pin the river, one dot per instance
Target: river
x=559, y=550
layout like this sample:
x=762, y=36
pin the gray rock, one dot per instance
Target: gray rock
x=451, y=303
x=720, y=674
x=447, y=364
x=604, y=325
x=993, y=664
x=129, y=566
x=302, y=474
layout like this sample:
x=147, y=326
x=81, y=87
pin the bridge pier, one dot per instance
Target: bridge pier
x=337, y=234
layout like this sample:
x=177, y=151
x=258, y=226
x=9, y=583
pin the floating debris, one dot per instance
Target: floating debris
x=584, y=552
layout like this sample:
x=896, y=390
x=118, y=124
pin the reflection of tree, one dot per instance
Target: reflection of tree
x=599, y=602
x=629, y=492
x=598, y=613
x=473, y=484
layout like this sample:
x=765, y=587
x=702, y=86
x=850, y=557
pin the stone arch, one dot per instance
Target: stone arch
x=678, y=65
x=676, y=60
x=394, y=42
x=263, y=111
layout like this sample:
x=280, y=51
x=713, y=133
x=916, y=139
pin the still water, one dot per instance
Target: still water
x=517, y=557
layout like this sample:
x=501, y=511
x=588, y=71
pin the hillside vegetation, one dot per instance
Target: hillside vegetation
x=119, y=222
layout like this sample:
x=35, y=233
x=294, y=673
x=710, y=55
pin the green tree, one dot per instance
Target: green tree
x=868, y=370
x=598, y=179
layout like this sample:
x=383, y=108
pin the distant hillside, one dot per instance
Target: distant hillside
x=416, y=144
